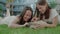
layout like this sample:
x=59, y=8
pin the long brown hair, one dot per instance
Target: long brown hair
x=47, y=12
x=23, y=13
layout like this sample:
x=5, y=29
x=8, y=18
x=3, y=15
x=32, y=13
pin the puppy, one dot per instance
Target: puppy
x=37, y=24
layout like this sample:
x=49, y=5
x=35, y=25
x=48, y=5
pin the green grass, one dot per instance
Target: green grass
x=5, y=30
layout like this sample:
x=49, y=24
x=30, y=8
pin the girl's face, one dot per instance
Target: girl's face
x=27, y=15
x=41, y=8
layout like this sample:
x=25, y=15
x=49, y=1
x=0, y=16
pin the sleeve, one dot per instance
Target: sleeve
x=53, y=13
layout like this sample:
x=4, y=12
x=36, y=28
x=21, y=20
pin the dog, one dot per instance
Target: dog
x=37, y=24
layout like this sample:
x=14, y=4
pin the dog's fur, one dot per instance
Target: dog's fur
x=36, y=24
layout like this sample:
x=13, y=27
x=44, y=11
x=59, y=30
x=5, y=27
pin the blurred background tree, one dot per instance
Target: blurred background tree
x=52, y=3
x=0, y=10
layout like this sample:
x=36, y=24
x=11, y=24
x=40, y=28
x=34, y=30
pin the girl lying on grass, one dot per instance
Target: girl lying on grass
x=48, y=15
x=17, y=21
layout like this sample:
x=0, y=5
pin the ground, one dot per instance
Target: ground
x=5, y=30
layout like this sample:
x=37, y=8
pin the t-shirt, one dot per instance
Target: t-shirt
x=7, y=20
x=53, y=13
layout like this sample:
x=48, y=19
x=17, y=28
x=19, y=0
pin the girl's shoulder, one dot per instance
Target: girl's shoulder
x=53, y=13
x=18, y=17
x=53, y=10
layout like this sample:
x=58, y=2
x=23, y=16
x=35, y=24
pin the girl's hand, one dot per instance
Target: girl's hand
x=34, y=19
x=26, y=24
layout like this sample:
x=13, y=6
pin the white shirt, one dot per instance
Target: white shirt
x=53, y=13
x=7, y=20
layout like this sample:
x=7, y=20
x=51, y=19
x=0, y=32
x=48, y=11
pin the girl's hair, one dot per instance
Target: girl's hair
x=23, y=13
x=46, y=14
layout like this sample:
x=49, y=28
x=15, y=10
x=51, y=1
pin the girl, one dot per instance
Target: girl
x=45, y=13
x=18, y=21
x=21, y=21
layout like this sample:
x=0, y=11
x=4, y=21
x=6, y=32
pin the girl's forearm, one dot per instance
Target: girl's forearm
x=16, y=26
x=51, y=25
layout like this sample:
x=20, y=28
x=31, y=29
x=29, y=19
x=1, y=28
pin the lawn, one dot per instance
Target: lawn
x=5, y=30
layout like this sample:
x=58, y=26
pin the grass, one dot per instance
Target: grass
x=5, y=30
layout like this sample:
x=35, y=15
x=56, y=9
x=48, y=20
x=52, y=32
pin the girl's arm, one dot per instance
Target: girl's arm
x=14, y=25
x=44, y=24
x=17, y=26
x=54, y=22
